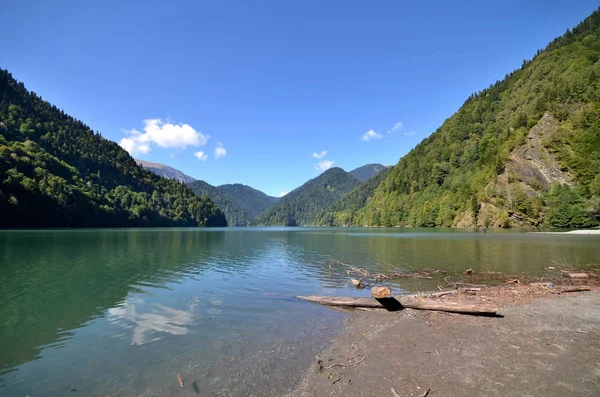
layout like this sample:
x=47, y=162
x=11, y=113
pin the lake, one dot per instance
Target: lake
x=95, y=312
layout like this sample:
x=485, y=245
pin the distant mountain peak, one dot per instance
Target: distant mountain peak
x=367, y=171
x=166, y=171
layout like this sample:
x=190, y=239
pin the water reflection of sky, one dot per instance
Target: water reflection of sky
x=149, y=322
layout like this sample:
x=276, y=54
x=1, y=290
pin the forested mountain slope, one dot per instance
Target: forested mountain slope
x=523, y=152
x=56, y=172
x=300, y=206
x=342, y=211
x=166, y=171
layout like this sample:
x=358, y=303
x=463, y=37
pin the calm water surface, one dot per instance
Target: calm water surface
x=91, y=312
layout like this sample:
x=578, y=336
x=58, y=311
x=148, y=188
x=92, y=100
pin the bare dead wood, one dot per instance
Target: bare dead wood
x=115, y=393
x=575, y=289
x=577, y=275
x=381, y=292
x=437, y=294
x=346, y=365
x=426, y=393
x=394, y=393
x=407, y=302
x=180, y=380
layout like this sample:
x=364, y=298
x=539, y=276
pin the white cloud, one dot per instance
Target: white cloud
x=134, y=147
x=220, y=151
x=319, y=155
x=283, y=193
x=410, y=133
x=396, y=127
x=201, y=156
x=324, y=165
x=161, y=134
x=370, y=135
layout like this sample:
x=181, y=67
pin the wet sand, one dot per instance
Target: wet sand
x=545, y=345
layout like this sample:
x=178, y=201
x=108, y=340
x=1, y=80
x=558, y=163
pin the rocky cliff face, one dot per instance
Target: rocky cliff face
x=531, y=170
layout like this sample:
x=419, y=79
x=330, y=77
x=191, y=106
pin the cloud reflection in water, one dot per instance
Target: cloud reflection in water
x=146, y=326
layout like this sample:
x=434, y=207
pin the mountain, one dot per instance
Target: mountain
x=240, y=203
x=253, y=202
x=340, y=212
x=56, y=172
x=166, y=171
x=523, y=152
x=300, y=206
x=367, y=171
x=234, y=214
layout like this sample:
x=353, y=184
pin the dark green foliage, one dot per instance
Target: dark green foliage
x=566, y=208
x=442, y=181
x=56, y=172
x=300, y=206
x=367, y=171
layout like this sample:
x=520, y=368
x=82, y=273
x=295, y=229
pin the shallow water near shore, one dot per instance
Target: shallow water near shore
x=91, y=312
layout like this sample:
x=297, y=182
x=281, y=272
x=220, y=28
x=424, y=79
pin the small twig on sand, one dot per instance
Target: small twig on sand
x=346, y=365
x=426, y=393
x=394, y=393
x=115, y=393
x=336, y=381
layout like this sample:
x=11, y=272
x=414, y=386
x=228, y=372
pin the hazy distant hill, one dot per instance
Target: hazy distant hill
x=166, y=171
x=301, y=205
x=253, y=202
x=235, y=215
x=367, y=171
x=240, y=203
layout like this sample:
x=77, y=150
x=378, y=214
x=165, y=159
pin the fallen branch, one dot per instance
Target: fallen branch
x=575, y=289
x=115, y=393
x=394, y=393
x=407, y=302
x=346, y=365
x=426, y=393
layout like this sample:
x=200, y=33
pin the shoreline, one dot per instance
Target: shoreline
x=546, y=343
x=577, y=232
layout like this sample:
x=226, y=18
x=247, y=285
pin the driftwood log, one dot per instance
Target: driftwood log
x=407, y=302
x=381, y=292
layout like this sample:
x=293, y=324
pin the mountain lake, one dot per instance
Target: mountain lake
x=124, y=311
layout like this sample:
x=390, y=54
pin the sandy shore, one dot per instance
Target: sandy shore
x=585, y=232
x=541, y=347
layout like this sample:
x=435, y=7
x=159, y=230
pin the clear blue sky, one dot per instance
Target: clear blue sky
x=272, y=81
